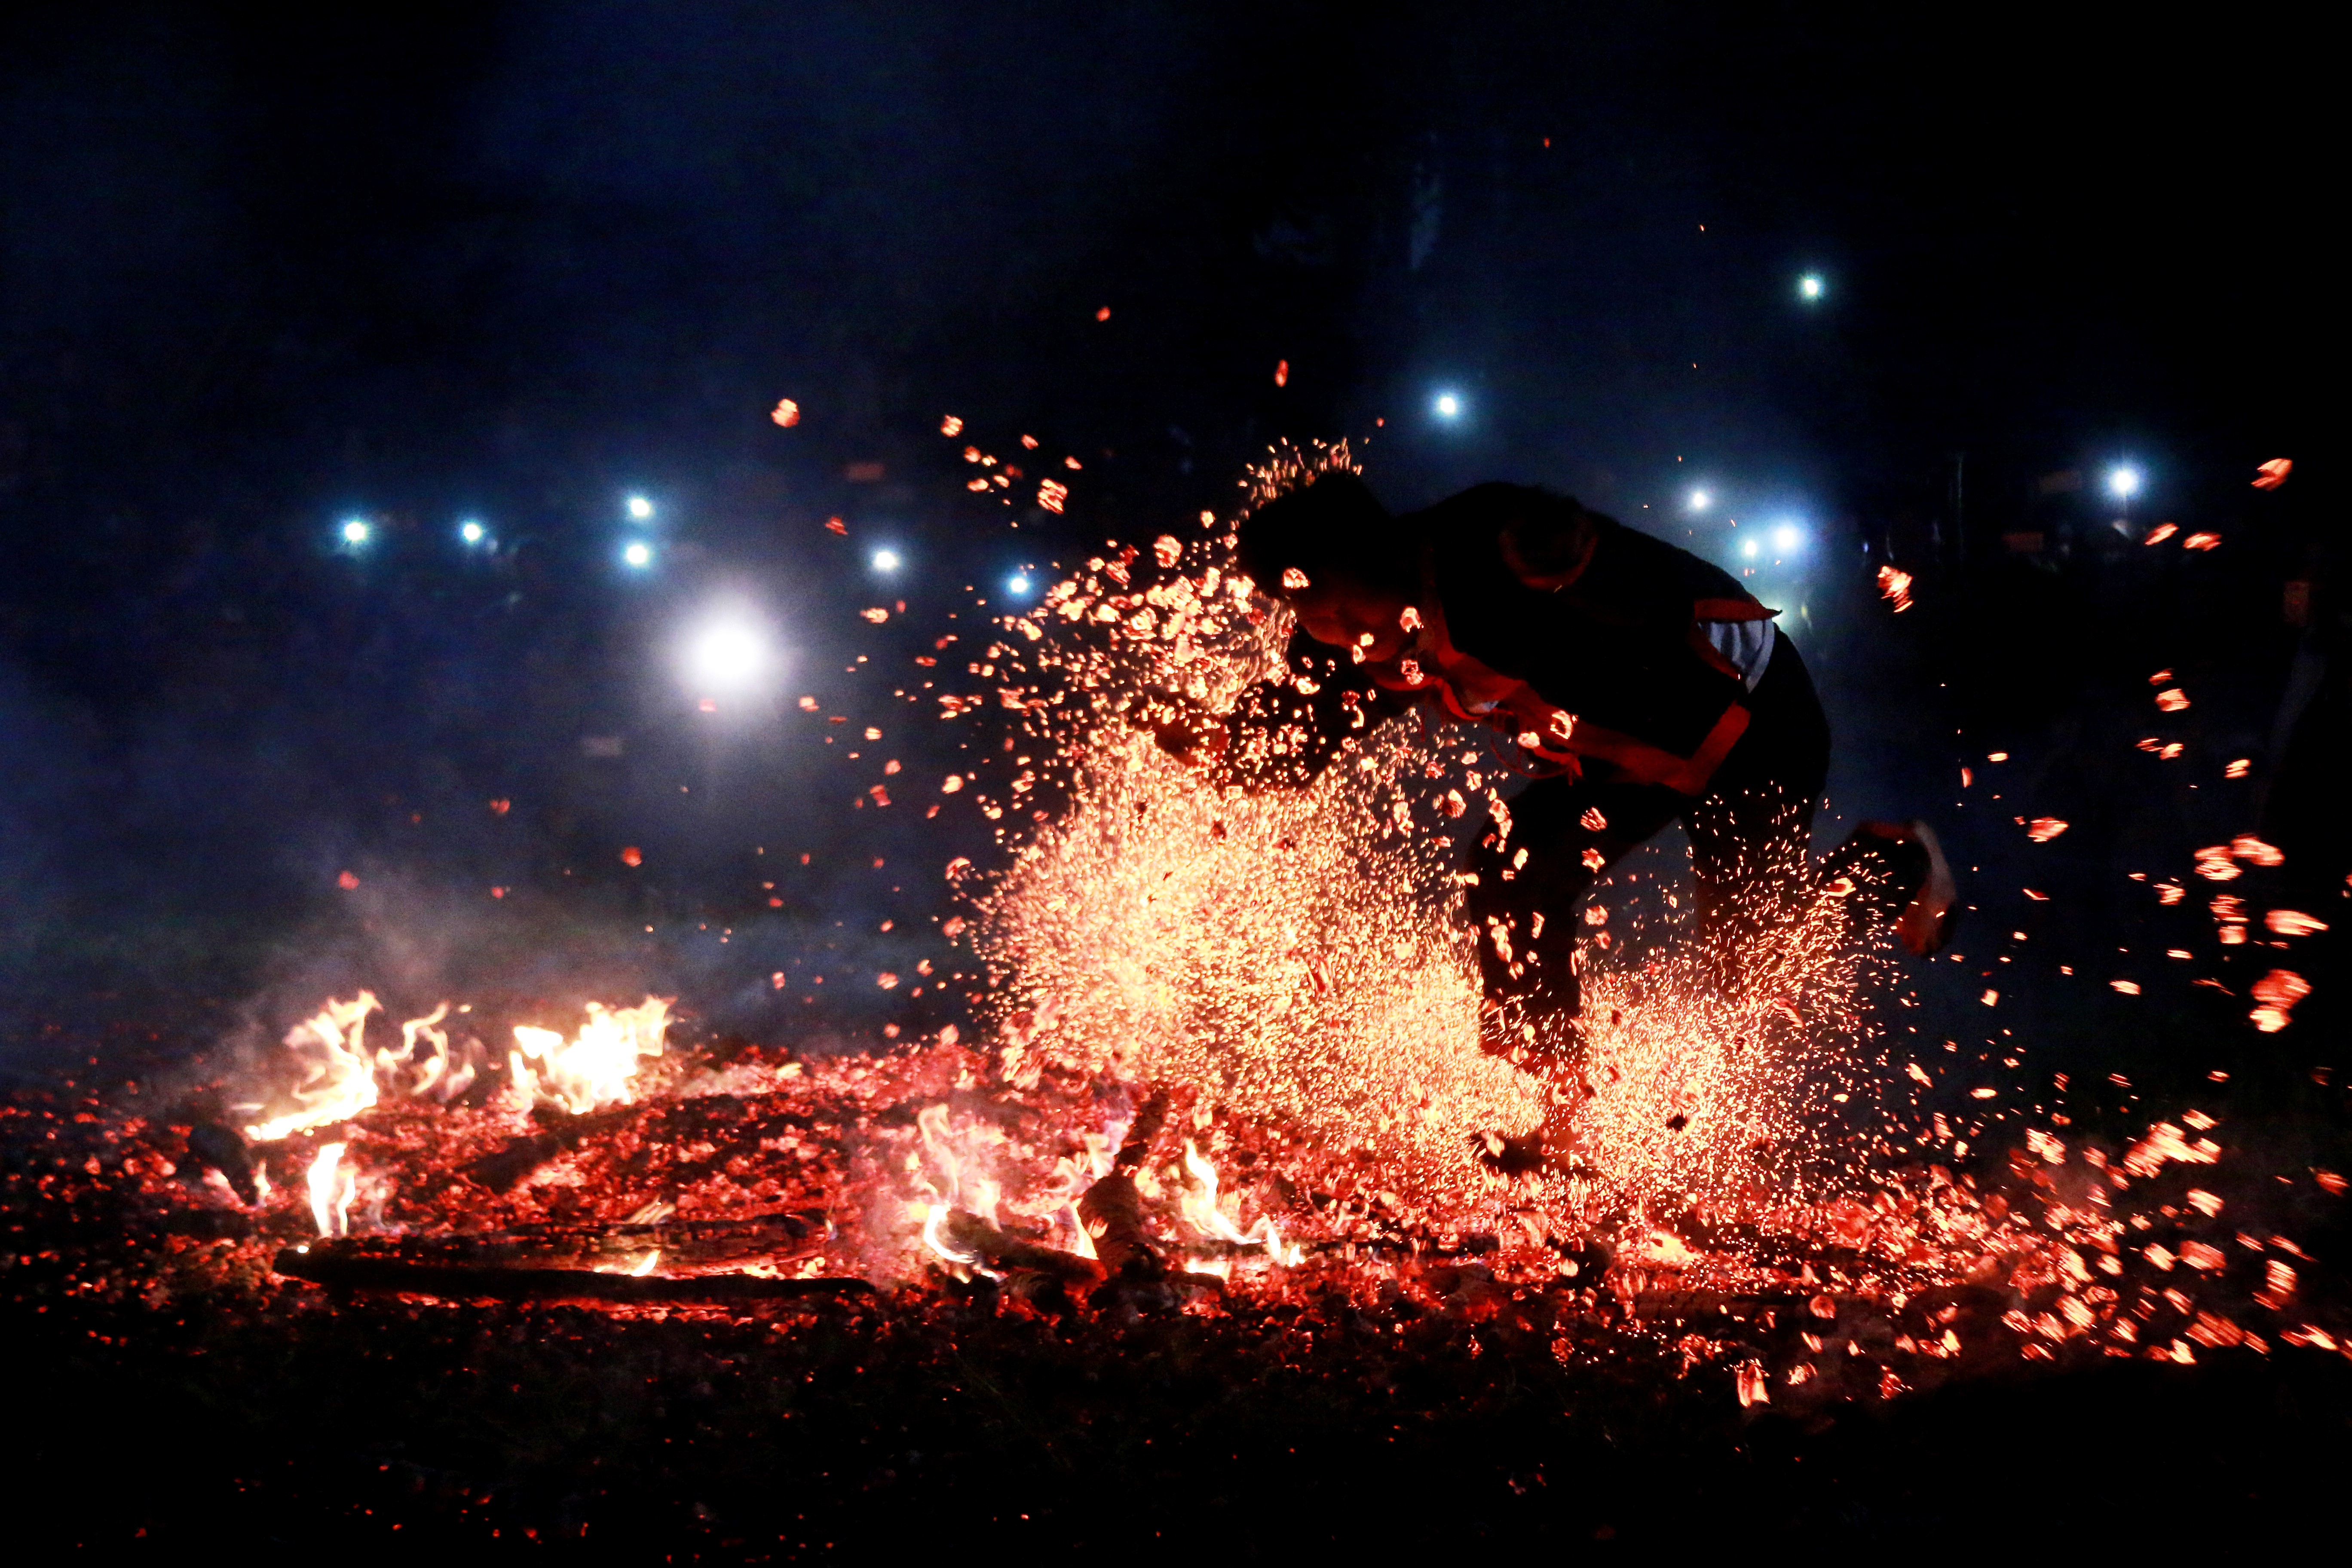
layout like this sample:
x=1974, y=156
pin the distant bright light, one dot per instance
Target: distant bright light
x=2124, y=481
x=727, y=656
x=639, y=553
x=640, y=508
x=1447, y=406
x=1748, y=548
x=356, y=531
x=1787, y=537
x=1019, y=585
x=470, y=531
x=1811, y=286
x=1700, y=500
x=886, y=561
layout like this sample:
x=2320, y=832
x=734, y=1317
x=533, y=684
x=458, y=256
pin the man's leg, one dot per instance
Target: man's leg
x=1751, y=830
x=1749, y=834
x=1562, y=836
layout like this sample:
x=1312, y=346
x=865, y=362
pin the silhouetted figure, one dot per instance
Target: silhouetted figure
x=1640, y=684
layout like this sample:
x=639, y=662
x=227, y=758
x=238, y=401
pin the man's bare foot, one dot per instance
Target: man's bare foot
x=1925, y=923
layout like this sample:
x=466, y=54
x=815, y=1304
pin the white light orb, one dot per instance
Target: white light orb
x=356, y=531
x=727, y=656
x=1748, y=549
x=1788, y=536
x=640, y=508
x=638, y=554
x=470, y=531
x=1811, y=286
x=2124, y=481
x=886, y=561
x=1447, y=406
x=1700, y=500
x=1019, y=585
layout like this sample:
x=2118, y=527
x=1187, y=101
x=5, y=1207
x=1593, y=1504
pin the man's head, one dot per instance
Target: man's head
x=1336, y=556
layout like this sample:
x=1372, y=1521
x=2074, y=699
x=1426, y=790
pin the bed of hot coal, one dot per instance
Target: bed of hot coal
x=488, y=1362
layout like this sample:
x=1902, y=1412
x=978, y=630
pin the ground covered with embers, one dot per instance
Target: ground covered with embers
x=1400, y=1388
x=939, y=1423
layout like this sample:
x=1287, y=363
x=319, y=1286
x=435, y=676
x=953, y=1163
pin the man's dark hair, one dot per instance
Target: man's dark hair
x=1332, y=530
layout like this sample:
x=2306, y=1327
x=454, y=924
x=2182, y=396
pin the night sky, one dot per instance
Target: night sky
x=267, y=273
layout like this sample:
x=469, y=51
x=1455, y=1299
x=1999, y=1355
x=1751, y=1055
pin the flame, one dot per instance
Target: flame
x=331, y=1206
x=598, y=1067
x=931, y=1121
x=345, y=1078
x=341, y=1081
x=934, y=1235
x=390, y=1062
x=442, y=1075
x=1200, y=1211
x=1082, y=1241
x=1072, y=1176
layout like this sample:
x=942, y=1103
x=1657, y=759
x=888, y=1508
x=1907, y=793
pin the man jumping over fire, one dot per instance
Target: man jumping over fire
x=1638, y=684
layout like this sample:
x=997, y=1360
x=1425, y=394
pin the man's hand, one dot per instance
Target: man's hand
x=1183, y=729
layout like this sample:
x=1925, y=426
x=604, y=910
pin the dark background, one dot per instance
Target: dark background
x=265, y=271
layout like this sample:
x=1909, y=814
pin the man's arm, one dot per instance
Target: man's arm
x=1280, y=733
x=1284, y=733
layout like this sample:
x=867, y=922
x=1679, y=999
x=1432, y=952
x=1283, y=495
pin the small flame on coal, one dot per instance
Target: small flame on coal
x=597, y=1067
x=333, y=1187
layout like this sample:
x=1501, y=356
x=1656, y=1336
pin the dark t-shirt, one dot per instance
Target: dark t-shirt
x=1617, y=645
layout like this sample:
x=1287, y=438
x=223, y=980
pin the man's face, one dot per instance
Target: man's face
x=1350, y=614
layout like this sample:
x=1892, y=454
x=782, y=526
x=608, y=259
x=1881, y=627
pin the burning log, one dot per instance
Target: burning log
x=967, y=1233
x=342, y=1270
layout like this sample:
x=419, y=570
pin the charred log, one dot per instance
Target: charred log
x=213, y=1146
x=1113, y=1211
x=484, y=1282
x=1141, y=1132
x=689, y=1244
x=560, y=1133
x=502, y=1169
